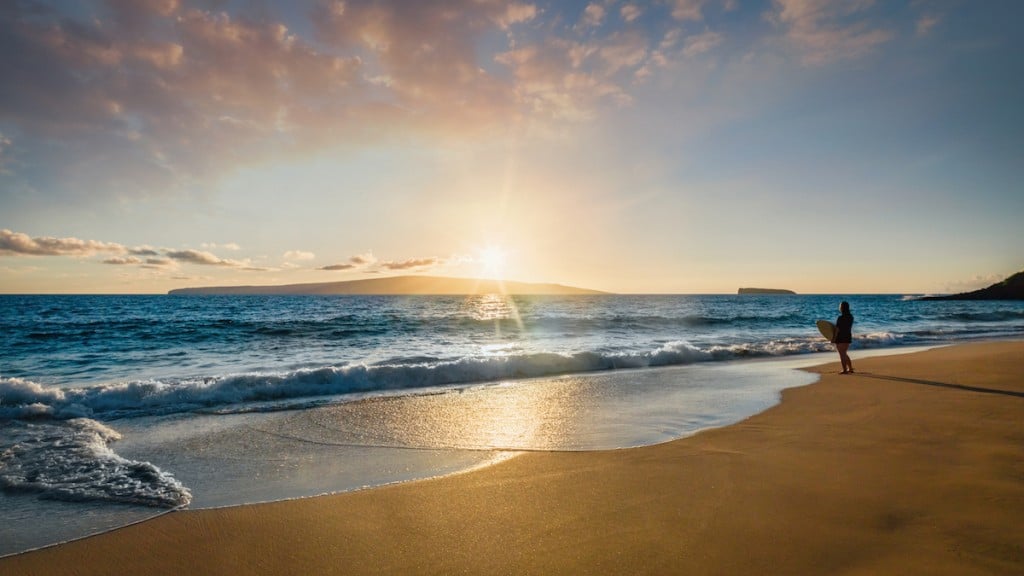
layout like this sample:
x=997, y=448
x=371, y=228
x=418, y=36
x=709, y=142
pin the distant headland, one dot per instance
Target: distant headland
x=395, y=286
x=1010, y=289
x=764, y=291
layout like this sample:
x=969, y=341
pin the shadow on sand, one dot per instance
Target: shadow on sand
x=943, y=384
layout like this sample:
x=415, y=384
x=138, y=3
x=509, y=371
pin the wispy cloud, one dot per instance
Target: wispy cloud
x=357, y=261
x=234, y=247
x=413, y=263
x=170, y=94
x=5, y=146
x=701, y=43
x=688, y=9
x=828, y=30
x=977, y=282
x=926, y=23
x=156, y=96
x=299, y=255
x=630, y=12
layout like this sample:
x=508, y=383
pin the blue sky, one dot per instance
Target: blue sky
x=689, y=146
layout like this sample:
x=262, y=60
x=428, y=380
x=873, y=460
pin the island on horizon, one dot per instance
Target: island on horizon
x=395, y=286
x=1010, y=289
x=764, y=291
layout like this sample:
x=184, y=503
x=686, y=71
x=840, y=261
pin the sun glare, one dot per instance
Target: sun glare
x=492, y=260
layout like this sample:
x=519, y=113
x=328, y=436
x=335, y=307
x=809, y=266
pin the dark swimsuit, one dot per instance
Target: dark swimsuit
x=844, y=329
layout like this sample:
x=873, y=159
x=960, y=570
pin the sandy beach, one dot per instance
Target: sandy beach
x=915, y=465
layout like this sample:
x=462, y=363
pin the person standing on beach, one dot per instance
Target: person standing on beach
x=844, y=336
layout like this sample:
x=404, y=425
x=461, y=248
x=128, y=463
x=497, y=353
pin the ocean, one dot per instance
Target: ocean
x=114, y=409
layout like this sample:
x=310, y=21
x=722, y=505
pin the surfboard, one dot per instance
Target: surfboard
x=827, y=329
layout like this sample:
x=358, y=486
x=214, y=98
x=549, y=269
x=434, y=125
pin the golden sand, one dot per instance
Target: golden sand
x=913, y=466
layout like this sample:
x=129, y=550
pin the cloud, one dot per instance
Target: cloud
x=200, y=257
x=565, y=80
x=366, y=259
x=124, y=99
x=688, y=9
x=829, y=30
x=413, y=263
x=357, y=261
x=142, y=87
x=20, y=244
x=160, y=262
x=516, y=13
x=593, y=15
x=977, y=282
x=623, y=51
x=213, y=246
x=17, y=243
x=701, y=43
x=923, y=28
x=630, y=12
x=299, y=255
x=123, y=260
x=170, y=95
x=5, y=147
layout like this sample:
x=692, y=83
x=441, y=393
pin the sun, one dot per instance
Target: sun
x=492, y=260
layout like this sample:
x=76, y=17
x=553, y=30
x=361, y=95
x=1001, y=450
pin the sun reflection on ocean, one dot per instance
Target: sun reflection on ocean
x=493, y=307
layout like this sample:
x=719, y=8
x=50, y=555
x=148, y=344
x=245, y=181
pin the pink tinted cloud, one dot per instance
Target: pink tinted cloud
x=151, y=95
x=829, y=30
x=201, y=94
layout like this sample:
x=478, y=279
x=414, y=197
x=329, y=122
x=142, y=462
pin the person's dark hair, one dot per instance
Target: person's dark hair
x=844, y=307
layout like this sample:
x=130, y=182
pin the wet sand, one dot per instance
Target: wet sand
x=913, y=465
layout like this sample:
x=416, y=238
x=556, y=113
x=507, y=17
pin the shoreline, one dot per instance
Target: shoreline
x=580, y=412
x=533, y=498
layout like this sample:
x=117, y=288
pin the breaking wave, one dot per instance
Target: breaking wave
x=71, y=460
x=25, y=399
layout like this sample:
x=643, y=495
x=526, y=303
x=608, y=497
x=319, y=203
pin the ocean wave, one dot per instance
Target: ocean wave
x=25, y=399
x=617, y=322
x=71, y=460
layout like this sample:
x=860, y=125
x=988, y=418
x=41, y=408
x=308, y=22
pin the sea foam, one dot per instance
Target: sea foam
x=71, y=460
x=21, y=398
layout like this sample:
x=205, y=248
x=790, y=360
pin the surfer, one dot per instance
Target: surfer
x=844, y=336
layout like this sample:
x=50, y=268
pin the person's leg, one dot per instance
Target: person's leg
x=842, y=347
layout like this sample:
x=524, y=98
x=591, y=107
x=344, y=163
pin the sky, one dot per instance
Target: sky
x=675, y=146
